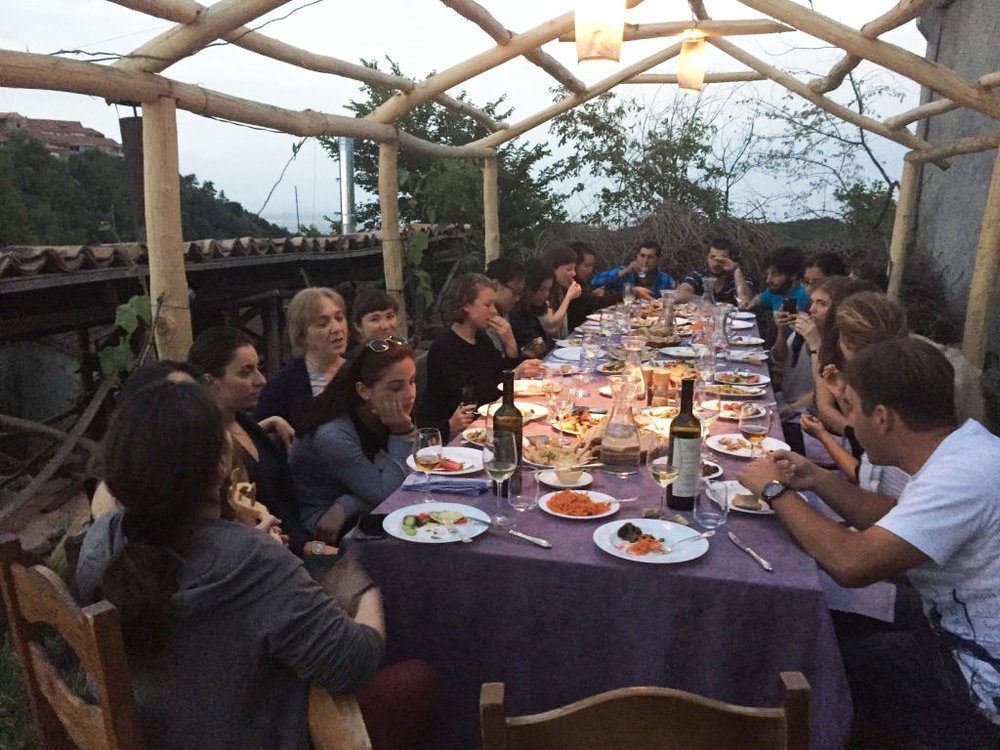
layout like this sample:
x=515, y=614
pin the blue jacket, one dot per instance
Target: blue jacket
x=612, y=280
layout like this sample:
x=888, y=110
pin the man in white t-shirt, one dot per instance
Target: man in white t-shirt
x=936, y=680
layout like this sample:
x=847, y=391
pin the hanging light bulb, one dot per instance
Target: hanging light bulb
x=600, y=25
x=691, y=66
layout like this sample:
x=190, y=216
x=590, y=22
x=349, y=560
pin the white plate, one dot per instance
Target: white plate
x=734, y=414
x=721, y=375
x=468, y=432
x=575, y=341
x=744, y=356
x=590, y=325
x=571, y=353
x=769, y=444
x=717, y=470
x=594, y=316
x=597, y=497
x=684, y=352
x=746, y=340
x=526, y=387
x=743, y=315
x=735, y=488
x=435, y=533
x=528, y=410
x=617, y=371
x=606, y=538
x=740, y=325
x=550, y=478
x=742, y=391
x=471, y=457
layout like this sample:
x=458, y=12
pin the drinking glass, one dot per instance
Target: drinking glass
x=526, y=496
x=589, y=352
x=706, y=408
x=662, y=471
x=628, y=292
x=755, y=424
x=500, y=462
x=607, y=325
x=562, y=407
x=711, y=505
x=427, y=454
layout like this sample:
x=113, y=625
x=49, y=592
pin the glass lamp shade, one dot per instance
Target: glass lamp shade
x=600, y=25
x=691, y=66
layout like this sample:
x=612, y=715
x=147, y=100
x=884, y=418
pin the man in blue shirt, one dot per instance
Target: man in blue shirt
x=784, y=269
x=642, y=272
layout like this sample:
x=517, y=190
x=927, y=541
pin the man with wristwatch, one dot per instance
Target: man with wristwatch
x=935, y=680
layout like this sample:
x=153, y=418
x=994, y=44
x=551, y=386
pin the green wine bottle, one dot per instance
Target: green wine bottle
x=685, y=451
x=508, y=418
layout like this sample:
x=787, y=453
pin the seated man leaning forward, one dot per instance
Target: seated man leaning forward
x=642, y=272
x=938, y=681
x=731, y=284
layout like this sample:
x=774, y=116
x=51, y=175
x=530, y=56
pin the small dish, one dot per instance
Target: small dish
x=549, y=477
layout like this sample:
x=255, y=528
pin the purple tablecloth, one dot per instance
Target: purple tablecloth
x=559, y=624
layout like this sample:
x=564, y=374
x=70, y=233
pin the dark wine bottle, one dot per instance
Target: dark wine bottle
x=508, y=418
x=685, y=451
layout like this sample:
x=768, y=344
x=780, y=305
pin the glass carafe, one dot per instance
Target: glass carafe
x=662, y=330
x=620, y=444
x=632, y=372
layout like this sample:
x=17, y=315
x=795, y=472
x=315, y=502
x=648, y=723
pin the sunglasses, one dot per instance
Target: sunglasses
x=384, y=345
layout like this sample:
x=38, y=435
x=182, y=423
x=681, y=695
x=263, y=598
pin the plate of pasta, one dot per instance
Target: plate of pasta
x=578, y=506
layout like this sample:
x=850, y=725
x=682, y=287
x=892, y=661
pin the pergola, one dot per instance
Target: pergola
x=138, y=77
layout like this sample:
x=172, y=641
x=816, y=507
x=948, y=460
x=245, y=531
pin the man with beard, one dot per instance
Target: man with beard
x=730, y=283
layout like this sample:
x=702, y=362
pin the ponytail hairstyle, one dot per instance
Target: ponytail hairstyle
x=163, y=451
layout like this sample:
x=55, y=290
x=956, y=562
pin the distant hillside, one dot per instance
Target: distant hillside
x=84, y=199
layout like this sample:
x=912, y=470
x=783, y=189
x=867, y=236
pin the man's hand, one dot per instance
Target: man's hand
x=783, y=319
x=728, y=264
x=599, y=292
x=797, y=471
x=758, y=473
x=812, y=425
x=643, y=293
x=632, y=267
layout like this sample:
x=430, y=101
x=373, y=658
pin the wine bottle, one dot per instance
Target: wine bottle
x=685, y=451
x=508, y=417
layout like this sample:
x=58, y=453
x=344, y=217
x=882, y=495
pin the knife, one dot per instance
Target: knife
x=514, y=532
x=760, y=560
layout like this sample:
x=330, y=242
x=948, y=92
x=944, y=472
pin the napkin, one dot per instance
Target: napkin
x=451, y=485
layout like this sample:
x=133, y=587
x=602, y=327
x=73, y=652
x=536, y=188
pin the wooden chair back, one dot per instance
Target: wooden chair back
x=335, y=721
x=35, y=596
x=648, y=718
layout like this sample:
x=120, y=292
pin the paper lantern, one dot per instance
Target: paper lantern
x=599, y=28
x=691, y=66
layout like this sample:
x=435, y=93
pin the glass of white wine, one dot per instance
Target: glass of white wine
x=662, y=471
x=500, y=462
x=427, y=454
x=562, y=407
x=628, y=292
x=706, y=409
x=755, y=424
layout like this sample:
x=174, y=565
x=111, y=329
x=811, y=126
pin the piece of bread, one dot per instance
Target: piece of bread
x=746, y=501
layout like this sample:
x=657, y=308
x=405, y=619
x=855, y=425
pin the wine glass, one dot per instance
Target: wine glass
x=562, y=407
x=589, y=352
x=607, y=325
x=661, y=470
x=628, y=293
x=755, y=424
x=427, y=454
x=706, y=409
x=500, y=462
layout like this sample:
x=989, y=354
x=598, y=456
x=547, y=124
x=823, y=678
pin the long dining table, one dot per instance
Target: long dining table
x=557, y=625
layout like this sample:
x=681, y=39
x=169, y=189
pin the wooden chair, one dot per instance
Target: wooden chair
x=36, y=596
x=335, y=721
x=648, y=718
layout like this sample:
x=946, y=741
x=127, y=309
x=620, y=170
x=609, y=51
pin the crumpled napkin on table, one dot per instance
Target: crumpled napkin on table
x=451, y=485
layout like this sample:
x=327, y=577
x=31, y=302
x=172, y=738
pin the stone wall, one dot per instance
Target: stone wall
x=963, y=35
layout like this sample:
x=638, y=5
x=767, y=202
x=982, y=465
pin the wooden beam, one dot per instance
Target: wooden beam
x=982, y=290
x=446, y=79
x=908, y=189
x=900, y=14
x=937, y=77
x=573, y=100
x=491, y=211
x=734, y=77
x=476, y=13
x=971, y=145
x=168, y=287
x=27, y=70
x=938, y=106
x=634, y=31
x=392, y=248
x=185, y=11
x=796, y=86
x=185, y=39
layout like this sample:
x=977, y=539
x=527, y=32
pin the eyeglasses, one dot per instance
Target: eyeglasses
x=384, y=345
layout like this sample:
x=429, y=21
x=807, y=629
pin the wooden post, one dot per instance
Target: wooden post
x=908, y=184
x=168, y=287
x=979, y=311
x=392, y=249
x=491, y=214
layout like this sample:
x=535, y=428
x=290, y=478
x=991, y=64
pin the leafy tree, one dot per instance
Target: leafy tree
x=206, y=213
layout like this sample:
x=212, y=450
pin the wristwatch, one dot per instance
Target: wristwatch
x=771, y=491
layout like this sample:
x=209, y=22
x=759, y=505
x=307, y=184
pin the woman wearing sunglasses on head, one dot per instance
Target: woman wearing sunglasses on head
x=350, y=451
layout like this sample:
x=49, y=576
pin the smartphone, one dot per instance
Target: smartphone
x=370, y=526
x=790, y=306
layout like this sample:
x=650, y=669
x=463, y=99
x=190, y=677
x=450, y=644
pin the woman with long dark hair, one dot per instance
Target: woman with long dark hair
x=223, y=627
x=525, y=318
x=350, y=451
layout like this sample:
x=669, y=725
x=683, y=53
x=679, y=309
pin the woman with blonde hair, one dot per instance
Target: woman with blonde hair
x=317, y=331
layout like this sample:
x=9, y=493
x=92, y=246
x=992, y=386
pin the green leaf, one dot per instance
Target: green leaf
x=136, y=311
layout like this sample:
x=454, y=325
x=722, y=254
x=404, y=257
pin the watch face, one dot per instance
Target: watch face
x=772, y=490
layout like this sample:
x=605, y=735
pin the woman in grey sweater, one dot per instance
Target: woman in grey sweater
x=224, y=628
x=350, y=452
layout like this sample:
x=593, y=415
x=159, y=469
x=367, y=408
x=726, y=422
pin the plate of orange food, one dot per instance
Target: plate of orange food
x=578, y=506
x=647, y=540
